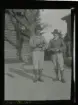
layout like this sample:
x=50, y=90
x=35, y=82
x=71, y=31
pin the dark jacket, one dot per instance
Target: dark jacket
x=59, y=44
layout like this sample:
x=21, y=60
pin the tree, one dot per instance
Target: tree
x=27, y=22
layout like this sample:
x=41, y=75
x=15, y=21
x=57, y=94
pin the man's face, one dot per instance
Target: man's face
x=56, y=36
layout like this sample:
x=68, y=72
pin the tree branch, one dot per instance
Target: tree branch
x=25, y=25
x=10, y=14
x=12, y=22
x=26, y=17
x=6, y=39
x=25, y=35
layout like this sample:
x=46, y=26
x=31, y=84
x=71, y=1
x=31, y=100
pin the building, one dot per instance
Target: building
x=68, y=21
x=68, y=36
x=10, y=33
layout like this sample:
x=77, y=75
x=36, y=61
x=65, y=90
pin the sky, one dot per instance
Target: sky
x=52, y=17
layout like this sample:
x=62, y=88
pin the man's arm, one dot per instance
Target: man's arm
x=62, y=48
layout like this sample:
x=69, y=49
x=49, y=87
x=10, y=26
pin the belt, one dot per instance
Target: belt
x=55, y=52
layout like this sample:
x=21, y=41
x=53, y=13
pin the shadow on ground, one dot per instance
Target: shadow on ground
x=21, y=73
x=10, y=75
x=27, y=73
x=11, y=60
x=31, y=71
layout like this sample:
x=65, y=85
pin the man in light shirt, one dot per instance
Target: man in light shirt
x=38, y=45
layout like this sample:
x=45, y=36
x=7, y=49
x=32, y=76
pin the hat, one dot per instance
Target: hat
x=55, y=31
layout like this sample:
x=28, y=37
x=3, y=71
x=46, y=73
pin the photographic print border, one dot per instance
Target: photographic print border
x=37, y=5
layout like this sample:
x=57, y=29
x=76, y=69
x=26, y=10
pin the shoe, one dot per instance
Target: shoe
x=40, y=75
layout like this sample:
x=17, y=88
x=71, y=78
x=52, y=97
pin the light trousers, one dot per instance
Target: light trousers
x=58, y=61
x=38, y=59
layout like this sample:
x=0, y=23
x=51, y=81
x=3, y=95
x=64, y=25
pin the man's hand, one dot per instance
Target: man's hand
x=38, y=45
x=44, y=48
x=54, y=49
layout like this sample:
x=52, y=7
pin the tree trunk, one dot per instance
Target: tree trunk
x=19, y=53
x=19, y=42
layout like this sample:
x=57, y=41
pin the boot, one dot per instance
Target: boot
x=40, y=75
x=35, y=73
x=62, y=76
x=57, y=77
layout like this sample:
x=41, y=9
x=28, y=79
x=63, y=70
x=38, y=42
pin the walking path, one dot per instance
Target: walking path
x=19, y=83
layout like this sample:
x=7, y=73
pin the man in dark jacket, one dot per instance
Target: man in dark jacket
x=56, y=46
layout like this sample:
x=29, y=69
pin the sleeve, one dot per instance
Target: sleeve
x=31, y=42
x=62, y=48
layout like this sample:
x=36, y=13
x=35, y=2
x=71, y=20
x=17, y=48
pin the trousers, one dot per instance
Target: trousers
x=38, y=59
x=58, y=61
